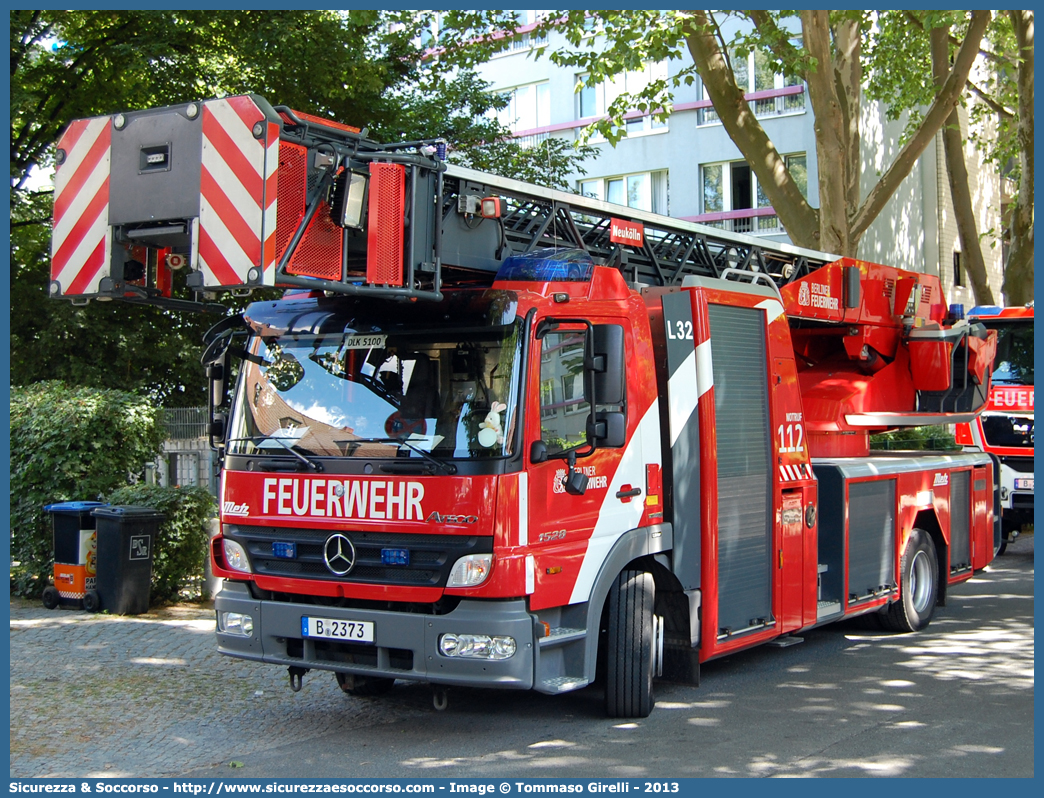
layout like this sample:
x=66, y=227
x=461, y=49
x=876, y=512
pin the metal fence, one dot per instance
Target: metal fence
x=186, y=458
x=183, y=423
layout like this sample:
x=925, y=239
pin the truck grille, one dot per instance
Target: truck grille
x=1021, y=464
x=1008, y=431
x=430, y=557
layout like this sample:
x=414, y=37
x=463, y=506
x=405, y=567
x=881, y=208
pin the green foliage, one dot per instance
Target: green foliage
x=360, y=67
x=553, y=162
x=899, y=71
x=180, y=549
x=931, y=438
x=69, y=444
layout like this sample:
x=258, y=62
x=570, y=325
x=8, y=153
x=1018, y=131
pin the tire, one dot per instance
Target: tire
x=1007, y=527
x=363, y=686
x=919, y=586
x=91, y=601
x=51, y=598
x=629, y=649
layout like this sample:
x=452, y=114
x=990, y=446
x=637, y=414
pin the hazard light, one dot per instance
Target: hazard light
x=491, y=208
x=548, y=266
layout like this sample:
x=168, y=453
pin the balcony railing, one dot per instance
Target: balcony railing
x=769, y=103
x=753, y=221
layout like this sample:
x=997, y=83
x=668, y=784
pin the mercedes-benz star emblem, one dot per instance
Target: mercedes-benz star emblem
x=339, y=554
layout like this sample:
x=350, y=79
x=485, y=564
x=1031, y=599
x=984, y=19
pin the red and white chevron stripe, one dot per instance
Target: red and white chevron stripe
x=237, y=216
x=81, y=243
x=794, y=473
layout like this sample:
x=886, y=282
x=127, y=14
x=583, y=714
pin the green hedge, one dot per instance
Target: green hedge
x=180, y=549
x=69, y=444
x=931, y=438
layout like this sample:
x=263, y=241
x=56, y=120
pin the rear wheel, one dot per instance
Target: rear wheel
x=91, y=601
x=355, y=685
x=919, y=574
x=629, y=671
x=51, y=598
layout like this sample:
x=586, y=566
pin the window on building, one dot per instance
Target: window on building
x=797, y=165
x=731, y=188
x=528, y=107
x=754, y=73
x=958, y=276
x=595, y=100
x=645, y=191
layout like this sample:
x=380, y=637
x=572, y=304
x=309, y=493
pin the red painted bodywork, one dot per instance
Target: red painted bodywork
x=858, y=361
x=543, y=535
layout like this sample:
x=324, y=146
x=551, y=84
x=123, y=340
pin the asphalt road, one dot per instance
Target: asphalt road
x=953, y=701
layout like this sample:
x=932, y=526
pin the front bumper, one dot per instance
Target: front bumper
x=405, y=644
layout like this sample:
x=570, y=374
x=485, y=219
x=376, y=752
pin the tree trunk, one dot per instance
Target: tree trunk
x=957, y=172
x=848, y=71
x=1018, y=271
x=830, y=135
x=799, y=219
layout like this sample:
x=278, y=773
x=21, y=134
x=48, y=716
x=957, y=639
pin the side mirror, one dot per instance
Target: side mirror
x=284, y=372
x=607, y=429
x=538, y=452
x=574, y=482
x=218, y=430
x=216, y=373
x=608, y=364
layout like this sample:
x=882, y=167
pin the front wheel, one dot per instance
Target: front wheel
x=919, y=574
x=629, y=673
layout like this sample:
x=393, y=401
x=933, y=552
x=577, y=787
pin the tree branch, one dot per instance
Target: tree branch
x=797, y=216
x=992, y=103
x=940, y=109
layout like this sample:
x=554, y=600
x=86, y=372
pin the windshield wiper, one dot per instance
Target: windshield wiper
x=442, y=465
x=312, y=465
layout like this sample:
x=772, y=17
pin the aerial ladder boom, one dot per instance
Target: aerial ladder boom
x=175, y=206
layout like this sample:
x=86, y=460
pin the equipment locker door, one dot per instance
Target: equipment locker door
x=745, y=470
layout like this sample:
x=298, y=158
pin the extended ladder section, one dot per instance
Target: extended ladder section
x=172, y=206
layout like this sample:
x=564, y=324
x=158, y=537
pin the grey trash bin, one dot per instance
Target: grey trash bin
x=126, y=540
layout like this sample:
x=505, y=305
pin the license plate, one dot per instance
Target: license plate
x=332, y=629
x=1024, y=483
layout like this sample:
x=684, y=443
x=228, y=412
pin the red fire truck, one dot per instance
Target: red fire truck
x=1005, y=428
x=503, y=436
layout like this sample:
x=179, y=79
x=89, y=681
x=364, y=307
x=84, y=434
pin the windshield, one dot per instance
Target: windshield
x=381, y=391
x=1014, y=362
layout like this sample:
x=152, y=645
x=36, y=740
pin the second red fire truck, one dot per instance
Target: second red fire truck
x=504, y=436
x=1005, y=427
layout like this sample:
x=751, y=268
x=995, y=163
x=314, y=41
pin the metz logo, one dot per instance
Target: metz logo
x=240, y=510
x=941, y=479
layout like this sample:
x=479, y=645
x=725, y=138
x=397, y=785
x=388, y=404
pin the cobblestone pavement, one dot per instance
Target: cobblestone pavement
x=149, y=696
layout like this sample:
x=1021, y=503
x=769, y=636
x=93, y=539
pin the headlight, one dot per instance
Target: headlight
x=470, y=571
x=235, y=556
x=236, y=623
x=477, y=646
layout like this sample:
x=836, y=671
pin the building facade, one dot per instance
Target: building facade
x=689, y=168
